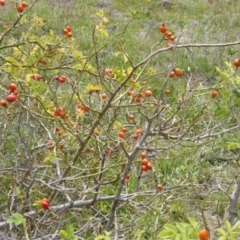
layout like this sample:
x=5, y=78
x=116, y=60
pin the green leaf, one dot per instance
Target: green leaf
x=236, y=233
x=13, y=61
x=171, y=227
x=193, y=222
x=77, y=54
x=70, y=230
x=236, y=226
x=63, y=234
x=222, y=238
x=78, y=66
x=102, y=237
x=177, y=237
x=16, y=219
x=165, y=234
x=183, y=227
x=221, y=232
x=230, y=66
x=228, y=226
x=233, y=145
x=231, y=238
x=225, y=93
x=222, y=111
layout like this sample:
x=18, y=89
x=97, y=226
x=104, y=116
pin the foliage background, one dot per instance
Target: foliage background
x=87, y=165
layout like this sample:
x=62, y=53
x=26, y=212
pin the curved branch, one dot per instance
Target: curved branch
x=186, y=46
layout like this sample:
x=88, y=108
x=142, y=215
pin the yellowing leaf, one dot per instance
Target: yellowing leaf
x=51, y=32
x=49, y=157
x=238, y=80
x=102, y=237
x=104, y=32
x=5, y=26
x=100, y=13
x=37, y=22
x=116, y=54
x=91, y=87
x=105, y=20
x=7, y=67
x=152, y=70
x=129, y=70
x=28, y=78
x=77, y=54
x=46, y=159
x=117, y=125
x=77, y=66
x=13, y=61
x=80, y=112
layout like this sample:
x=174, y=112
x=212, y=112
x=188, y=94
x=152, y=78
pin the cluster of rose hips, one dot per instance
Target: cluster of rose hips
x=60, y=79
x=82, y=106
x=67, y=31
x=50, y=144
x=145, y=164
x=167, y=34
x=45, y=203
x=136, y=135
x=13, y=92
x=36, y=76
x=107, y=72
x=138, y=97
x=21, y=6
x=12, y=97
x=60, y=112
x=176, y=72
x=121, y=134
